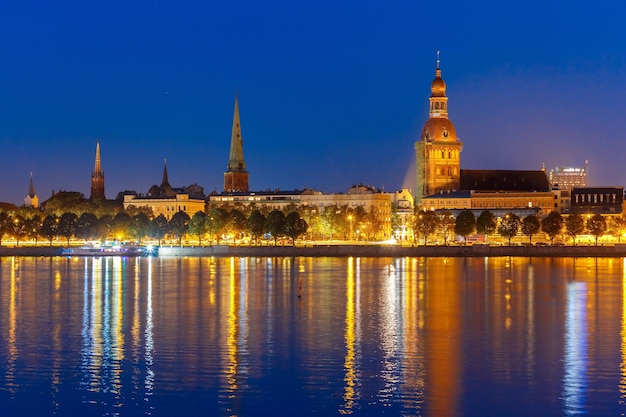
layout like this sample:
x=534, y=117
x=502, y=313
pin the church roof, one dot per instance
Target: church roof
x=504, y=180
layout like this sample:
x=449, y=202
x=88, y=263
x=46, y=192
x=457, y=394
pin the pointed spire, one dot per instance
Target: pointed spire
x=97, y=177
x=97, y=169
x=165, y=181
x=235, y=160
x=438, y=59
x=31, y=187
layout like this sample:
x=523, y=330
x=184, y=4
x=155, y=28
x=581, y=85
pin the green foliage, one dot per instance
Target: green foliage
x=596, y=225
x=275, y=224
x=446, y=225
x=198, y=225
x=86, y=226
x=530, y=226
x=426, y=223
x=139, y=226
x=256, y=224
x=217, y=218
x=50, y=227
x=552, y=225
x=158, y=227
x=574, y=225
x=509, y=226
x=486, y=223
x=67, y=225
x=178, y=225
x=465, y=224
x=295, y=226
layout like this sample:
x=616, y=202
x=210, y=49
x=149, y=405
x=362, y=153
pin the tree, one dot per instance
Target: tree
x=256, y=224
x=19, y=228
x=50, y=227
x=236, y=222
x=158, y=227
x=426, y=223
x=552, y=225
x=5, y=224
x=486, y=223
x=295, y=226
x=446, y=225
x=275, y=224
x=198, y=226
x=574, y=225
x=617, y=227
x=465, y=224
x=596, y=225
x=33, y=225
x=67, y=225
x=86, y=226
x=178, y=225
x=509, y=226
x=217, y=218
x=530, y=226
x=330, y=220
x=120, y=225
x=139, y=226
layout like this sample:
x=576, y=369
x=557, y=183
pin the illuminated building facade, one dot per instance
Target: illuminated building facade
x=97, y=178
x=166, y=200
x=31, y=199
x=499, y=191
x=371, y=199
x=236, y=176
x=438, y=150
x=566, y=178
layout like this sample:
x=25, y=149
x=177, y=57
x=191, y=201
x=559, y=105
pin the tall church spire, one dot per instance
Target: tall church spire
x=97, y=178
x=165, y=188
x=31, y=199
x=438, y=150
x=236, y=176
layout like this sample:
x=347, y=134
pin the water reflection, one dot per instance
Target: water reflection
x=305, y=336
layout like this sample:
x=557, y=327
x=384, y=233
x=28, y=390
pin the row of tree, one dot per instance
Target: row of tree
x=123, y=226
x=553, y=225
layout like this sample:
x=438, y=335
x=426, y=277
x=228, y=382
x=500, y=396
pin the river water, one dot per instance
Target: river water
x=171, y=336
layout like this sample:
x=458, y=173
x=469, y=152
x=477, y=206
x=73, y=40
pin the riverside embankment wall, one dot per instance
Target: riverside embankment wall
x=358, y=250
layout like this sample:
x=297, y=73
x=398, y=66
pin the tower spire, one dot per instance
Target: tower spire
x=236, y=176
x=31, y=199
x=31, y=186
x=97, y=177
x=165, y=181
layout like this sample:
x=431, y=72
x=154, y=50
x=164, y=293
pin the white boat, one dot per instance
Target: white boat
x=109, y=250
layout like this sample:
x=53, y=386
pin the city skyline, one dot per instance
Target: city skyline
x=329, y=96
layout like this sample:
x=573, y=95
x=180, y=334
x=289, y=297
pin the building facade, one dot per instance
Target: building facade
x=438, y=150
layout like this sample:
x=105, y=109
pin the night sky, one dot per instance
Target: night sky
x=331, y=93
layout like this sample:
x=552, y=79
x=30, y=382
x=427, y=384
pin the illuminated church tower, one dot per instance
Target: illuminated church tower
x=438, y=150
x=31, y=199
x=97, y=178
x=236, y=176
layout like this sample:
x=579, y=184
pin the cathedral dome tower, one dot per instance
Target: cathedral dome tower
x=438, y=149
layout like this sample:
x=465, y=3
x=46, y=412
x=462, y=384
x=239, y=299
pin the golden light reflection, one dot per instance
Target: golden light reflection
x=349, y=394
x=13, y=352
x=231, y=341
x=622, y=382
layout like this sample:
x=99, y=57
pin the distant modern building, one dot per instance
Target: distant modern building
x=97, y=178
x=167, y=200
x=566, y=178
x=438, y=150
x=236, y=176
x=31, y=199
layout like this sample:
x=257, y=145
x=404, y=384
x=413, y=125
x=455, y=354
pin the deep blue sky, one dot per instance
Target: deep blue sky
x=331, y=93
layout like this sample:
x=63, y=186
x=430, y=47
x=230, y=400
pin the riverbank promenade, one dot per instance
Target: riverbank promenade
x=356, y=250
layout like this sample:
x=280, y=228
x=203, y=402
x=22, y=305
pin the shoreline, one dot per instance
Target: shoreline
x=616, y=251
